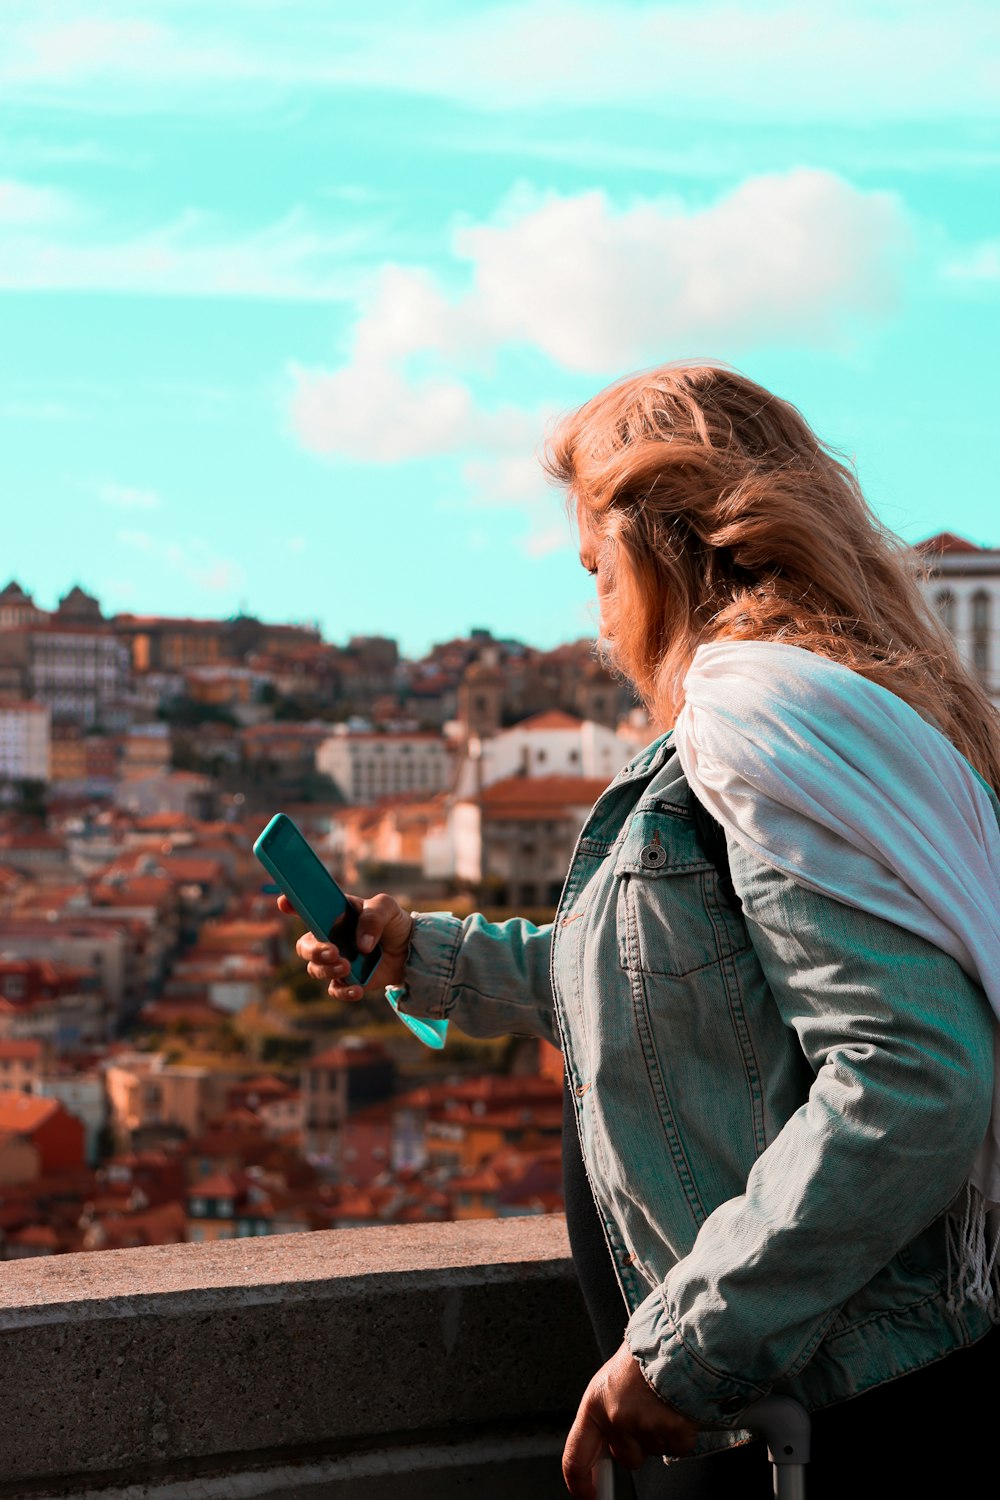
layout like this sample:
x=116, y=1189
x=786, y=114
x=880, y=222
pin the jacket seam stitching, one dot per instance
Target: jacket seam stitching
x=650, y=1057
x=698, y=1359
x=738, y=1016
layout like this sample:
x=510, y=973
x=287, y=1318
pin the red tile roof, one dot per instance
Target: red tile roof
x=947, y=541
x=552, y=718
x=539, y=796
x=220, y=1185
x=28, y=1051
x=22, y=1114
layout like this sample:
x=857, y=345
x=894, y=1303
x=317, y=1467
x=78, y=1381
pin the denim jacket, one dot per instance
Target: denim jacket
x=778, y=1097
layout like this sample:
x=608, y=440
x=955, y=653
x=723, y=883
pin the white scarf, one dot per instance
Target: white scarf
x=847, y=789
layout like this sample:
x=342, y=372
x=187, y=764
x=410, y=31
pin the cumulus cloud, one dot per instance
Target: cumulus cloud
x=371, y=411
x=782, y=259
x=799, y=259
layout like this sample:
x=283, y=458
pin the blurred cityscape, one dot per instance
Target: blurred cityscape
x=168, y=1072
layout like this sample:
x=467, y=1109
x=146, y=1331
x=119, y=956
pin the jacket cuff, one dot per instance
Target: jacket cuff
x=428, y=981
x=678, y=1375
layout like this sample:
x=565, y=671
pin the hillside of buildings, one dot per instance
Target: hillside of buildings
x=168, y=1072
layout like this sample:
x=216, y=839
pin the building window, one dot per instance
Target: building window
x=981, y=633
x=980, y=610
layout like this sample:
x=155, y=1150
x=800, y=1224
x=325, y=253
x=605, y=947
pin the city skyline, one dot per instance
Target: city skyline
x=289, y=307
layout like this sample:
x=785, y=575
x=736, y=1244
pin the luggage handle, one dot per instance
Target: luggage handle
x=785, y=1427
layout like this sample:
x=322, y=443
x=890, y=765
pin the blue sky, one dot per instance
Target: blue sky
x=289, y=292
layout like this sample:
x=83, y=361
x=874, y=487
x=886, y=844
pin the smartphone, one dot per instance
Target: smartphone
x=312, y=890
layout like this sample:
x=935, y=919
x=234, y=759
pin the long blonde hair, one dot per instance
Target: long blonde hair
x=721, y=514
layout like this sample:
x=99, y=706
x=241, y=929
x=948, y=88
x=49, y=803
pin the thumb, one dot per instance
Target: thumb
x=382, y=918
x=584, y=1446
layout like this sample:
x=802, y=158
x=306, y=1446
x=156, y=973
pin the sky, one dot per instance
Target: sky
x=291, y=293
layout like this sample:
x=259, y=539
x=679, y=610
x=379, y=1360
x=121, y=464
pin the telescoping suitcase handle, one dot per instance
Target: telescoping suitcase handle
x=782, y=1423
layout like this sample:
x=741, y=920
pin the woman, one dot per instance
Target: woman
x=779, y=1053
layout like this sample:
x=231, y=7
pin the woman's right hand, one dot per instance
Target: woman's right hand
x=381, y=919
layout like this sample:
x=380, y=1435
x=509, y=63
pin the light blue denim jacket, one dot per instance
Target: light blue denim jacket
x=775, y=1105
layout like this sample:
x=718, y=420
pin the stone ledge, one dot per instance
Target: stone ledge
x=341, y=1348
x=275, y=1268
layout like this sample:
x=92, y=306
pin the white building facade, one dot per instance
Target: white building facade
x=964, y=588
x=367, y=766
x=82, y=674
x=25, y=737
x=548, y=744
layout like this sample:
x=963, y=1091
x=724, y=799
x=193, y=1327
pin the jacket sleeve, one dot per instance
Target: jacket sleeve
x=900, y=1042
x=490, y=978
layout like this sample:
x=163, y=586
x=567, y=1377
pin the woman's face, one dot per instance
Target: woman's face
x=594, y=557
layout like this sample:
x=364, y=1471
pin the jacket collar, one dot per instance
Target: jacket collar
x=649, y=759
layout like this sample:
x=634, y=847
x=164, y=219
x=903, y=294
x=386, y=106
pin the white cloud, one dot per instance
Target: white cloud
x=127, y=497
x=55, y=242
x=34, y=151
x=981, y=263
x=25, y=205
x=791, y=258
x=194, y=561
x=371, y=411
x=799, y=259
x=810, y=61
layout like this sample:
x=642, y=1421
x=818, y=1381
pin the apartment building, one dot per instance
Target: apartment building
x=21, y=1065
x=17, y=607
x=355, y=1073
x=56, y=1004
x=515, y=838
x=78, y=670
x=366, y=766
x=553, y=743
x=964, y=587
x=25, y=741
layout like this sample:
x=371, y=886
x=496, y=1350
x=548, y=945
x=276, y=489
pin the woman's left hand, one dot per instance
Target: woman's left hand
x=620, y=1412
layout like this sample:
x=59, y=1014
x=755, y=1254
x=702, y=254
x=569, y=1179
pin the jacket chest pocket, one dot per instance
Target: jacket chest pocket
x=672, y=916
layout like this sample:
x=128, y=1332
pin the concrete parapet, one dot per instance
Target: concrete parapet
x=425, y=1360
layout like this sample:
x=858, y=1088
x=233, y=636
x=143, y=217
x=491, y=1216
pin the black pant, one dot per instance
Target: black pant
x=924, y=1434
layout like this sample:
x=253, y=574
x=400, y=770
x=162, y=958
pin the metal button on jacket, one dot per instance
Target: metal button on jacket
x=653, y=855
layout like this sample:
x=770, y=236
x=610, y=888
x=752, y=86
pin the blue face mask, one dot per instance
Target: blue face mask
x=431, y=1033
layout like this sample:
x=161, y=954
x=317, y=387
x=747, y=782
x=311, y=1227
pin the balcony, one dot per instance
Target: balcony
x=419, y=1361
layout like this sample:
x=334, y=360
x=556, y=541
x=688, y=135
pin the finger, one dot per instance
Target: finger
x=314, y=951
x=327, y=972
x=286, y=906
x=584, y=1446
x=373, y=919
x=627, y=1450
x=349, y=992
